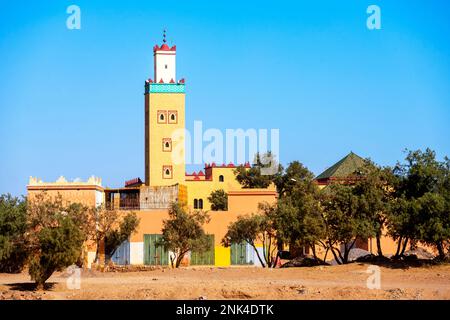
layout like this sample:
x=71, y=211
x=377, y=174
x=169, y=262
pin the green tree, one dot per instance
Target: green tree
x=421, y=210
x=183, y=232
x=260, y=175
x=434, y=217
x=13, y=225
x=218, y=200
x=55, y=240
x=256, y=228
x=375, y=188
x=299, y=216
x=115, y=237
x=110, y=228
x=344, y=223
x=85, y=218
x=295, y=177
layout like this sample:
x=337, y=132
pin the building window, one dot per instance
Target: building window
x=167, y=172
x=200, y=203
x=221, y=178
x=195, y=204
x=173, y=116
x=166, y=145
x=162, y=116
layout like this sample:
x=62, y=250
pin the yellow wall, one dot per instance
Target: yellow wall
x=202, y=189
x=240, y=203
x=156, y=158
x=82, y=195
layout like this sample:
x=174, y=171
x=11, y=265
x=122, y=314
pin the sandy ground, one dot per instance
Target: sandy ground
x=329, y=282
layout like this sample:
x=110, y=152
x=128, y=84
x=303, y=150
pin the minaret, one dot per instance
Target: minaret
x=164, y=62
x=164, y=121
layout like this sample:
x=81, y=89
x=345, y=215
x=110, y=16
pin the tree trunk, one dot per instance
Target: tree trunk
x=347, y=250
x=336, y=258
x=179, y=259
x=326, y=253
x=399, y=245
x=379, y=251
x=440, y=249
x=313, y=249
x=404, y=246
x=257, y=254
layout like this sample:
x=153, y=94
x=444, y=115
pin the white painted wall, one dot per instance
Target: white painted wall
x=136, y=252
x=99, y=198
x=261, y=254
x=165, y=66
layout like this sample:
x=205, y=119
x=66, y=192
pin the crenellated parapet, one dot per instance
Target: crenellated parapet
x=62, y=181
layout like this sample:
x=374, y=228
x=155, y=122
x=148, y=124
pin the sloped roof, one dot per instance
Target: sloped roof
x=343, y=168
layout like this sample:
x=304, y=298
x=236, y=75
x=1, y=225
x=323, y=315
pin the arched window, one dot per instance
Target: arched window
x=200, y=203
x=166, y=144
x=195, y=204
x=221, y=178
x=167, y=172
x=162, y=116
x=173, y=116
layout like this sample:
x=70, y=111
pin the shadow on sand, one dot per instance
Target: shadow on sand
x=29, y=286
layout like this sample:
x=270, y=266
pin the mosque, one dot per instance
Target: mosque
x=166, y=181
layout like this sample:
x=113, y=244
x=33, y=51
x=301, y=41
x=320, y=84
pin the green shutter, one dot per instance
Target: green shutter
x=238, y=253
x=206, y=257
x=154, y=254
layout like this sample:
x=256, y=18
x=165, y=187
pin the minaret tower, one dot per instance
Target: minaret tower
x=164, y=120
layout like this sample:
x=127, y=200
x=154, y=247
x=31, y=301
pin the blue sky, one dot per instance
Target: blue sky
x=71, y=101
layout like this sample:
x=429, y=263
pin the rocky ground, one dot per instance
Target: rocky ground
x=320, y=282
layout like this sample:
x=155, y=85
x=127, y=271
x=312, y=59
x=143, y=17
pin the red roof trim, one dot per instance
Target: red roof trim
x=164, y=47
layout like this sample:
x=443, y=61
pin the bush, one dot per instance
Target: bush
x=219, y=200
x=13, y=225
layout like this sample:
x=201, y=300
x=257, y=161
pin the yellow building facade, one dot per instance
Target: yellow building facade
x=166, y=181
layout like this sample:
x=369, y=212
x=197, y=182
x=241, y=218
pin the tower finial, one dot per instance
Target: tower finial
x=164, y=36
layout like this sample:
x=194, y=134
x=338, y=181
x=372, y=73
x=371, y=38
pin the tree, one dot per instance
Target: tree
x=295, y=177
x=55, y=240
x=344, y=222
x=218, y=200
x=421, y=210
x=111, y=229
x=85, y=218
x=374, y=187
x=298, y=219
x=13, y=225
x=115, y=237
x=300, y=223
x=183, y=232
x=253, y=229
x=260, y=175
x=434, y=217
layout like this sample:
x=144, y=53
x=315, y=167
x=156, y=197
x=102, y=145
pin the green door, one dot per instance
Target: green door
x=154, y=254
x=206, y=257
x=238, y=253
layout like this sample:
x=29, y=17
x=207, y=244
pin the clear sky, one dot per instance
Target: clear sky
x=71, y=101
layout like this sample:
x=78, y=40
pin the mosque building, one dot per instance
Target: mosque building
x=166, y=181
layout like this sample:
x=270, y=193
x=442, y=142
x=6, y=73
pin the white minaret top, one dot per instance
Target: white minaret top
x=164, y=62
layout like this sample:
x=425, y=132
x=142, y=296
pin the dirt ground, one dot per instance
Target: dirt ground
x=327, y=282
